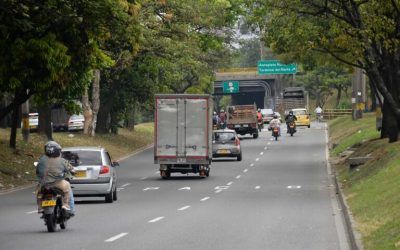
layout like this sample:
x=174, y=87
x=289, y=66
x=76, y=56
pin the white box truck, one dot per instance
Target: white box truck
x=183, y=134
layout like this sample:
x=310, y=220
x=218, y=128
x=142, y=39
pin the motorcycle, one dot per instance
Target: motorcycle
x=260, y=125
x=275, y=133
x=292, y=128
x=53, y=214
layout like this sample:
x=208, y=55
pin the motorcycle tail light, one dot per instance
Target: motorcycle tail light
x=104, y=170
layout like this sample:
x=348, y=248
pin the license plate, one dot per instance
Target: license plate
x=237, y=126
x=48, y=203
x=245, y=125
x=223, y=151
x=80, y=174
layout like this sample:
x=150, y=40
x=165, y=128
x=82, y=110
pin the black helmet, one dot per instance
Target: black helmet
x=275, y=116
x=290, y=112
x=52, y=149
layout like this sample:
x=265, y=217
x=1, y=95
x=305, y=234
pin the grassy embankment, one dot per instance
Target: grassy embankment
x=16, y=167
x=373, y=189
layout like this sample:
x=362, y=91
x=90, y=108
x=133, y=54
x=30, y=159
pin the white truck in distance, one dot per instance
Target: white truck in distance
x=183, y=134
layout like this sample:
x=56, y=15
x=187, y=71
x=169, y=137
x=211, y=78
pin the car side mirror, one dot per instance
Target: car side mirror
x=115, y=163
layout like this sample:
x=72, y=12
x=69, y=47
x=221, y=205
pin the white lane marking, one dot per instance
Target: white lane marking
x=237, y=177
x=156, y=219
x=116, y=237
x=257, y=159
x=257, y=187
x=205, y=198
x=244, y=171
x=151, y=188
x=252, y=165
x=218, y=191
x=268, y=143
x=183, y=208
x=119, y=189
x=229, y=183
x=293, y=187
x=265, y=148
x=261, y=153
x=271, y=139
x=221, y=187
x=32, y=212
x=126, y=184
x=184, y=188
x=143, y=178
x=158, y=172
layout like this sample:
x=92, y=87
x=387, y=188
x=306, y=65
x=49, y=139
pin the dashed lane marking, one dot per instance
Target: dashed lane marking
x=126, y=184
x=229, y=183
x=218, y=191
x=265, y=148
x=151, y=188
x=116, y=237
x=143, y=178
x=257, y=187
x=244, y=171
x=293, y=187
x=268, y=143
x=120, y=189
x=156, y=219
x=237, y=177
x=252, y=165
x=261, y=153
x=183, y=208
x=184, y=188
x=257, y=159
x=32, y=212
x=205, y=198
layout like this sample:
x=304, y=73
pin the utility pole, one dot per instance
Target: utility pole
x=25, y=120
x=358, y=94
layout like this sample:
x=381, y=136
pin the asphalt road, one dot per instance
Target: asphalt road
x=279, y=197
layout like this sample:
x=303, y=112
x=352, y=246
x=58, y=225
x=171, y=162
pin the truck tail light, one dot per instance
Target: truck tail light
x=104, y=170
x=230, y=125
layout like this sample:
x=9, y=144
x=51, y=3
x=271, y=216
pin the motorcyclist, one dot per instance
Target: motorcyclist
x=52, y=171
x=275, y=122
x=290, y=118
x=318, y=112
x=259, y=115
x=216, y=119
x=222, y=117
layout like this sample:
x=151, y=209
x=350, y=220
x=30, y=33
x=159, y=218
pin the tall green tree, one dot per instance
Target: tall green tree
x=360, y=33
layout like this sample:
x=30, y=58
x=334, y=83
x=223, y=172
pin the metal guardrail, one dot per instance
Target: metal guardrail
x=329, y=114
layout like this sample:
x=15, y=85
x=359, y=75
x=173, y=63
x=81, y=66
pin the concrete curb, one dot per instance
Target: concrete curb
x=353, y=236
x=140, y=150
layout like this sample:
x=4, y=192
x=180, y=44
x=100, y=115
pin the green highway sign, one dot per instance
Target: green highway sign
x=230, y=87
x=274, y=67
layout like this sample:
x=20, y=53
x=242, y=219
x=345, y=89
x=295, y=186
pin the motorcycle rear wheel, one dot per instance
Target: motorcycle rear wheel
x=50, y=222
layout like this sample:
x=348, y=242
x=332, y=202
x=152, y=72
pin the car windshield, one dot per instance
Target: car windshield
x=80, y=157
x=267, y=112
x=299, y=112
x=224, y=136
x=76, y=117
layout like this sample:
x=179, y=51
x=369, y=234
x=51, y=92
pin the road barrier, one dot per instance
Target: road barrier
x=329, y=114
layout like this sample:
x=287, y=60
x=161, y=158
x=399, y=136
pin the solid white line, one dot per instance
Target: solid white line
x=32, y=212
x=257, y=159
x=257, y=187
x=126, y=184
x=237, y=177
x=218, y=191
x=261, y=153
x=252, y=165
x=205, y=198
x=229, y=183
x=116, y=237
x=183, y=208
x=156, y=219
x=244, y=171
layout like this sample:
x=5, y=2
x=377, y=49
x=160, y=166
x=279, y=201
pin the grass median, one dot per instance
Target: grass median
x=372, y=190
x=16, y=166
